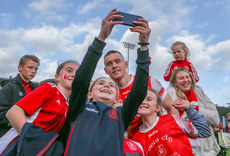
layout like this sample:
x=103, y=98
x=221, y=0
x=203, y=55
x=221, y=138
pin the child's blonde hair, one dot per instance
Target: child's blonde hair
x=184, y=47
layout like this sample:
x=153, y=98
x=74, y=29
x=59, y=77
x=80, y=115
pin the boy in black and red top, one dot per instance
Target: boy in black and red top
x=17, y=88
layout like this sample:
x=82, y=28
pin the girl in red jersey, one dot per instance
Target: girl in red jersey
x=45, y=107
x=180, y=52
x=168, y=134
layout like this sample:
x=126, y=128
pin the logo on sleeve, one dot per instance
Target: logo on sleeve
x=131, y=146
x=113, y=113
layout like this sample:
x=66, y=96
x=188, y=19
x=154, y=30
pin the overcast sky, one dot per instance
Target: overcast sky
x=57, y=30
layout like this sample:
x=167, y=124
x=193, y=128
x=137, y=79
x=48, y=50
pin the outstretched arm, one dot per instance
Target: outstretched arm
x=82, y=79
x=139, y=88
x=86, y=70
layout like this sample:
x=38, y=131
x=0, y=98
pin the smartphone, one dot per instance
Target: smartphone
x=128, y=19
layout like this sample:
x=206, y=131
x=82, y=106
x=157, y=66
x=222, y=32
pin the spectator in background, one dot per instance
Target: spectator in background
x=227, y=128
x=217, y=129
x=182, y=86
x=180, y=53
x=16, y=88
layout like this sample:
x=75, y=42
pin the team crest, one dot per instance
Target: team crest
x=161, y=150
x=113, y=114
x=131, y=146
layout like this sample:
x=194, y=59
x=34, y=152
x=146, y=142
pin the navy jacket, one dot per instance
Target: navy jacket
x=95, y=128
x=11, y=93
x=34, y=141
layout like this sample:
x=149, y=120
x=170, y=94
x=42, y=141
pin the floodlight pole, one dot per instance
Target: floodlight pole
x=128, y=46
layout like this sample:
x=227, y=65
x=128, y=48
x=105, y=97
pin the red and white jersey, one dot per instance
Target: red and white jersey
x=46, y=107
x=49, y=110
x=124, y=91
x=132, y=148
x=180, y=64
x=165, y=137
x=152, y=84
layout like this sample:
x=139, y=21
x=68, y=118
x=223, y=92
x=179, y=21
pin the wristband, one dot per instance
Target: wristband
x=143, y=43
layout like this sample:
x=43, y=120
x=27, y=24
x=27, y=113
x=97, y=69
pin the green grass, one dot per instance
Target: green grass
x=228, y=153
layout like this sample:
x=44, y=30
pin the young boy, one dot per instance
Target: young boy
x=17, y=88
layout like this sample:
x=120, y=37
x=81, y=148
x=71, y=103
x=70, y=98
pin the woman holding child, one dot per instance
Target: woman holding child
x=182, y=86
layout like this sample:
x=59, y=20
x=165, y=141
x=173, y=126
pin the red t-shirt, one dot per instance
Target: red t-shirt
x=46, y=107
x=164, y=138
x=180, y=64
x=124, y=91
x=152, y=84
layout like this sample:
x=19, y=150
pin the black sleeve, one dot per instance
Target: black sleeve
x=5, y=103
x=82, y=79
x=138, y=90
